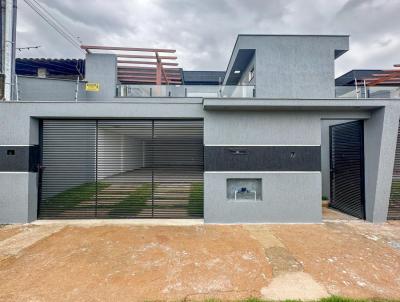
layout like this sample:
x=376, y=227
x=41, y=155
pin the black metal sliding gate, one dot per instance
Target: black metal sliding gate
x=394, y=203
x=121, y=169
x=347, y=168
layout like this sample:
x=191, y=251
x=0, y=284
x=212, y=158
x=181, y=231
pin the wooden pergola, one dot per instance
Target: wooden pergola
x=135, y=67
x=387, y=77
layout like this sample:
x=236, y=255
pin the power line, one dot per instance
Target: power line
x=52, y=24
x=52, y=21
x=55, y=20
x=57, y=26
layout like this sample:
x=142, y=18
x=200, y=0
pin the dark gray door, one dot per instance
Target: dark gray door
x=394, y=204
x=347, y=168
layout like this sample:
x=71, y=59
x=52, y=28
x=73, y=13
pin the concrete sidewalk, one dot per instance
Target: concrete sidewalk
x=127, y=222
x=124, y=261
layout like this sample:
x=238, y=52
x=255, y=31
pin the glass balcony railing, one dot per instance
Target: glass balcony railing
x=201, y=91
x=365, y=92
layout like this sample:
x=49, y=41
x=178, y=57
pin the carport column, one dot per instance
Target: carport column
x=380, y=135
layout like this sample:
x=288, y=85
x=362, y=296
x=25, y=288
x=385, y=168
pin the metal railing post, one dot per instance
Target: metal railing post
x=357, y=96
x=365, y=90
x=77, y=89
x=16, y=88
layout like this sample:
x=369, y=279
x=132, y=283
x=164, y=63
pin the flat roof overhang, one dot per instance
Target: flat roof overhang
x=242, y=60
x=296, y=104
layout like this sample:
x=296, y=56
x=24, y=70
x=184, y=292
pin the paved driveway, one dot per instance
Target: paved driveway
x=106, y=261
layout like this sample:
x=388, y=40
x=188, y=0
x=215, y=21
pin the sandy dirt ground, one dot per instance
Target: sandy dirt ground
x=345, y=258
x=330, y=214
x=7, y=231
x=173, y=263
x=123, y=263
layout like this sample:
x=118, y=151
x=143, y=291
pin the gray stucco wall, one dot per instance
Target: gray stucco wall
x=18, y=197
x=32, y=89
x=287, y=196
x=380, y=137
x=261, y=128
x=299, y=204
x=102, y=69
x=292, y=66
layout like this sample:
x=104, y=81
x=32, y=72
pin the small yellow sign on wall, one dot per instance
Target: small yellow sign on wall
x=92, y=87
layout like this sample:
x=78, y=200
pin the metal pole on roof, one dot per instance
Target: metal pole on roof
x=158, y=73
x=356, y=87
x=14, y=44
x=16, y=88
x=77, y=89
x=365, y=90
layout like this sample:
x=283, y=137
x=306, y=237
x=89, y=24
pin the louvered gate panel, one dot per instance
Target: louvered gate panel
x=178, y=168
x=394, y=203
x=347, y=168
x=68, y=173
x=121, y=169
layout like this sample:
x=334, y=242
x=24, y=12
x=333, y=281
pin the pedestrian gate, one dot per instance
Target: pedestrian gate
x=394, y=203
x=347, y=168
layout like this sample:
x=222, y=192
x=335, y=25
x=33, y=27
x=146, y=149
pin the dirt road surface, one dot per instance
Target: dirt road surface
x=67, y=262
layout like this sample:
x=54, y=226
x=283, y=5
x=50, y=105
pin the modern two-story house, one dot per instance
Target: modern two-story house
x=261, y=142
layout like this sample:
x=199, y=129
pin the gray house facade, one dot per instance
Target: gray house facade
x=264, y=145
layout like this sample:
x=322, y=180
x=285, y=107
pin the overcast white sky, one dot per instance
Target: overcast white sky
x=204, y=31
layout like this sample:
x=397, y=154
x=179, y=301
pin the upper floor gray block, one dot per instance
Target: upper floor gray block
x=292, y=66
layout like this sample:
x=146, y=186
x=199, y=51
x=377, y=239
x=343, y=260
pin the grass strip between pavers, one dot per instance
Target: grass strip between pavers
x=196, y=196
x=71, y=198
x=134, y=203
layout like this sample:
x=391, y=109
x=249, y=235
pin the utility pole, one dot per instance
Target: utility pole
x=8, y=38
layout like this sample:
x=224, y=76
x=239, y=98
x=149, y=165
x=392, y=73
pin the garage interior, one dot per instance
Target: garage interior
x=121, y=169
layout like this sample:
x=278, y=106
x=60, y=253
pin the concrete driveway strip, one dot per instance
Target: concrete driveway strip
x=25, y=238
x=289, y=280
